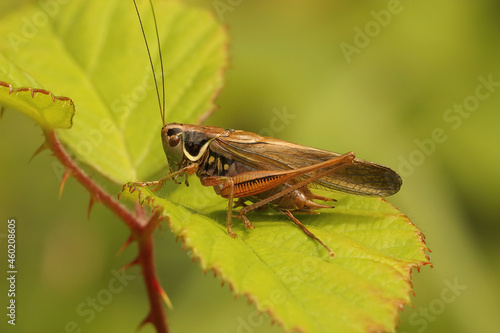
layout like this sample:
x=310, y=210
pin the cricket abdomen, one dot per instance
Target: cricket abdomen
x=298, y=200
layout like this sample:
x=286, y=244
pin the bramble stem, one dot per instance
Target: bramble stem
x=141, y=228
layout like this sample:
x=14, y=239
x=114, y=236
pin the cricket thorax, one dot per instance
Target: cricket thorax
x=214, y=164
x=195, y=144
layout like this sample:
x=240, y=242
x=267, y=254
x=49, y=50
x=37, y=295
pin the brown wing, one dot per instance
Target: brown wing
x=265, y=153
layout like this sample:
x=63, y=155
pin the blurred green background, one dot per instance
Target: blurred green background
x=339, y=75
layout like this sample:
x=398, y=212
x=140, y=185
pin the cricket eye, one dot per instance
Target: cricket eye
x=173, y=140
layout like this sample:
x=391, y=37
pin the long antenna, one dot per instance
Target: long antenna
x=161, y=59
x=162, y=107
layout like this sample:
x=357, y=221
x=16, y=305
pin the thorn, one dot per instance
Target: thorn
x=130, y=264
x=63, y=181
x=91, y=204
x=2, y=111
x=146, y=320
x=38, y=151
x=125, y=245
x=163, y=294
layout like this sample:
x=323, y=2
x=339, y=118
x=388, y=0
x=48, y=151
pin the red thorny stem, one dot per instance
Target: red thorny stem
x=142, y=230
x=146, y=260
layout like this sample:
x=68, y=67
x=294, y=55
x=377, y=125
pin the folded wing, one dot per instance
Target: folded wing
x=265, y=153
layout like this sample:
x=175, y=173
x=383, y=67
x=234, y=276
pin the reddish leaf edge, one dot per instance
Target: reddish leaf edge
x=141, y=226
x=34, y=91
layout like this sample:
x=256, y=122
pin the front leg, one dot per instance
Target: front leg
x=188, y=170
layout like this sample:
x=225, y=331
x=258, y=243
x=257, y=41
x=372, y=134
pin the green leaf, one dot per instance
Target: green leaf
x=104, y=69
x=93, y=51
x=291, y=276
x=42, y=106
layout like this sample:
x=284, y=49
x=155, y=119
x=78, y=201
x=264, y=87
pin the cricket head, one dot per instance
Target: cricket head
x=171, y=138
x=184, y=144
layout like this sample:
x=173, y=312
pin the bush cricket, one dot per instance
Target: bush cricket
x=262, y=172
